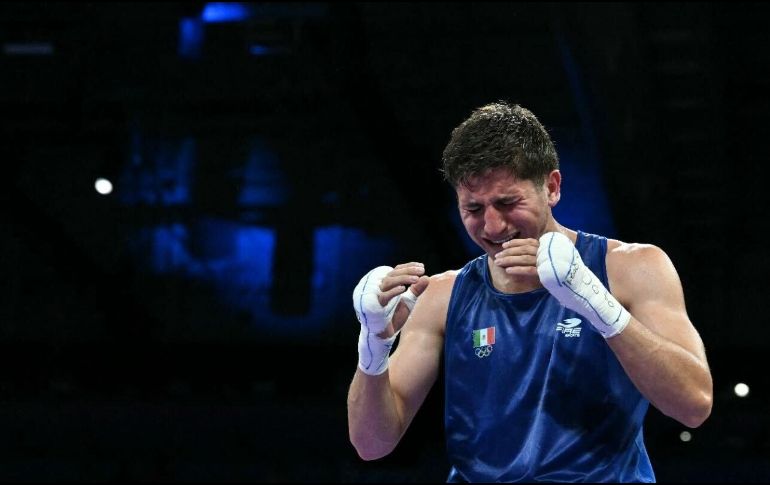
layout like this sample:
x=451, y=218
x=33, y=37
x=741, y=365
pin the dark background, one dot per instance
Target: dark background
x=195, y=323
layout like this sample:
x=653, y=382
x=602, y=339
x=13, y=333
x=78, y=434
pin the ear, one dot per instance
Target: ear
x=553, y=187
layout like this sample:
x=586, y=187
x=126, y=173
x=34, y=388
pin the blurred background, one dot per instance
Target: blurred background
x=192, y=190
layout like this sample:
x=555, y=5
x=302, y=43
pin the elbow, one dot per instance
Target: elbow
x=369, y=453
x=370, y=447
x=699, y=411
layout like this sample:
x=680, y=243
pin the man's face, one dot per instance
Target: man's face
x=496, y=207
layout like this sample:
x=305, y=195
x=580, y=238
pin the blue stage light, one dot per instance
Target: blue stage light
x=217, y=12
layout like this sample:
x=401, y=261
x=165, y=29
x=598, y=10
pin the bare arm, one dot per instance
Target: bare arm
x=380, y=408
x=660, y=349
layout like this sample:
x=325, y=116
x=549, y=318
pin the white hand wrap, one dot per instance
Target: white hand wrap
x=566, y=277
x=373, y=351
x=408, y=298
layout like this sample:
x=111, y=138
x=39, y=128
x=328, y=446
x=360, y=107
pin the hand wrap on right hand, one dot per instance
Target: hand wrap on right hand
x=373, y=351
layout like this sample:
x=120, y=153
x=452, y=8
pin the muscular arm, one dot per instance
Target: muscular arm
x=660, y=349
x=380, y=408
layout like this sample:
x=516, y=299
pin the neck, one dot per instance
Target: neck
x=505, y=283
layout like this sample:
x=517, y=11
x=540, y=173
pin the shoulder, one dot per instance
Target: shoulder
x=622, y=255
x=431, y=308
x=445, y=278
x=440, y=286
x=634, y=267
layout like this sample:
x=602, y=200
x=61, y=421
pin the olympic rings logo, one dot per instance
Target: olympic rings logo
x=483, y=351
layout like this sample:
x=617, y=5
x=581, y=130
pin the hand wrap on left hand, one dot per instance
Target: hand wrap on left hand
x=566, y=277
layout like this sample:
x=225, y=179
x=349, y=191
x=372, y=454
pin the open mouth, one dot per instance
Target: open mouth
x=501, y=241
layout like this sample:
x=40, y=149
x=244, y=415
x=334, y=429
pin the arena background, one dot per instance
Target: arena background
x=194, y=324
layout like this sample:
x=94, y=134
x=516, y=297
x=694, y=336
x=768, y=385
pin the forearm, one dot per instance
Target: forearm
x=674, y=380
x=375, y=424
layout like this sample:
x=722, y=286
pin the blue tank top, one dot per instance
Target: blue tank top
x=533, y=392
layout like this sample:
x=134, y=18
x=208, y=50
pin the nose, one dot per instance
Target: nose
x=494, y=224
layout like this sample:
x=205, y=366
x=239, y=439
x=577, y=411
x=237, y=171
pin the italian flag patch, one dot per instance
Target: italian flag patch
x=485, y=336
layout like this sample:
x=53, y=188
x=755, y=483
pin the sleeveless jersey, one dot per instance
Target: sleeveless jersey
x=533, y=392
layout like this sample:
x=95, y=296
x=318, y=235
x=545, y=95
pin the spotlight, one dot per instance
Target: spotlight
x=741, y=390
x=103, y=186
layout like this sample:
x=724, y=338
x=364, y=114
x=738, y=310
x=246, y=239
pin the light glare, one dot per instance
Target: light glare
x=103, y=186
x=741, y=390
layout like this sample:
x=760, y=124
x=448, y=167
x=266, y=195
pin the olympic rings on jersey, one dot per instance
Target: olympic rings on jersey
x=483, y=351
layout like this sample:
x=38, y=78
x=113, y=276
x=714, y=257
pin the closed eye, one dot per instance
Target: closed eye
x=508, y=202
